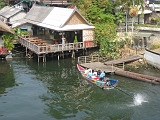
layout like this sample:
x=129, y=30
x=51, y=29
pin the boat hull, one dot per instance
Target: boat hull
x=152, y=58
x=97, y=81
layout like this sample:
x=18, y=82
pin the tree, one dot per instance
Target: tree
x=2, y=4
x=8, y=40
x=100, y=14
x=128, y=6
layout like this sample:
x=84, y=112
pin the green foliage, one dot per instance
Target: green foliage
x=154, y=19
x=19, y=32
x=7, y=38
x=104, y=31
x=119, y=17
x=100, y=14
x=109, y=48
x=75, y=39
x=147, y=25
x=155, y=46
x=2, y=4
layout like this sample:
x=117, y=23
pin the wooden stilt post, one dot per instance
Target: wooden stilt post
x=123, y=65
x=38, y=58
x=86, y=52
x=73, y=54
x=26, y=51
x=63, y=55
x=45, y=57
x=58, y=56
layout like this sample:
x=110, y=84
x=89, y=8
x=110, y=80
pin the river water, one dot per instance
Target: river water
x=55, y=90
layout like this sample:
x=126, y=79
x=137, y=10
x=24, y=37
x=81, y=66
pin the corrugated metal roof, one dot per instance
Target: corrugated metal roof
x=18, y=23
x=54, y=18
x=9, y=12
x=58, y=16
x=38, y=13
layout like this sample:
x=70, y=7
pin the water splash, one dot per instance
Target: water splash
x=139, y=99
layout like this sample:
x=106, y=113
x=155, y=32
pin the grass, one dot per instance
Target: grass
x=155, y=46
x=147, y=25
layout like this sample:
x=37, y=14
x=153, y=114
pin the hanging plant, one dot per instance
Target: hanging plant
x=75, y=39
x=133, y=11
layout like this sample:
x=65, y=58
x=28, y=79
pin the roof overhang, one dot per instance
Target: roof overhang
x=144, y=12
x=67, y=27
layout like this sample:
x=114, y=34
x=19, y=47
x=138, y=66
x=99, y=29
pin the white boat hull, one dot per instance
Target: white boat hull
x=152, y=58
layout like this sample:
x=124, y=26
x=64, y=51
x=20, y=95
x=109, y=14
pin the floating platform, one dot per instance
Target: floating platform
x=124, y=60
x=146, y=78
x=100, y=66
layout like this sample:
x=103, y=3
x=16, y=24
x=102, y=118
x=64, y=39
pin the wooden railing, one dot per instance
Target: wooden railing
x=50, y=48
x=88, y=59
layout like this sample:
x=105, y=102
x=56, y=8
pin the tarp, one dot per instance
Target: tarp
x=5, y=28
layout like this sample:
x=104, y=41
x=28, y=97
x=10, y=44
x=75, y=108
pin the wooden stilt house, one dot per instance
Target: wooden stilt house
x=63, y=29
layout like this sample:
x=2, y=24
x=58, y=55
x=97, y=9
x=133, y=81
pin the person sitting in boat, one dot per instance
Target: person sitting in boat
x=90, y=75
x=108, y=82
x=95, y=73
x=102, y=75
x=98, y=73
x=87, y=71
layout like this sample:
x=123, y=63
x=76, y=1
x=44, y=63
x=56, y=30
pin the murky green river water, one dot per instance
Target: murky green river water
x=56, y=90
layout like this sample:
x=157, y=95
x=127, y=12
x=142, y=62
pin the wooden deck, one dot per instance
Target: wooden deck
x=40, y=46
x=124, y=60
x=100, y=66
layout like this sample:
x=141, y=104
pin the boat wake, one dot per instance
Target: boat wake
x=138, y=99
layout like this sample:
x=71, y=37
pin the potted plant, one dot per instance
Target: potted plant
x=75, y=41
x=154, y=20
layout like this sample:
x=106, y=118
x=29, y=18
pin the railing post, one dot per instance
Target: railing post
x=98, y=58
x=123, y=65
